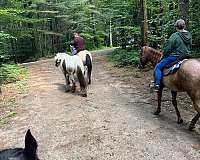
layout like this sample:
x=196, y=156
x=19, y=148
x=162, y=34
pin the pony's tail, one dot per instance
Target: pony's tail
x=82, y=82
x=89, y=66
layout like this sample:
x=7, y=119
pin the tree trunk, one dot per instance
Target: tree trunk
x=110, y=35
x=184, y=10
x=144, y=26
x=95, y=39
x=122, y=34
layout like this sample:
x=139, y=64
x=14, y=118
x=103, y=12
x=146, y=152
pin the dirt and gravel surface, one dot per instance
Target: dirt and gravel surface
x=115, y=121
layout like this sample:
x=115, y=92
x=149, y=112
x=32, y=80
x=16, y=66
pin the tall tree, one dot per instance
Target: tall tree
x=144, y=25
x=184, y=10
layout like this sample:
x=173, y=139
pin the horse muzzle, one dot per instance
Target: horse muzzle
x=57, y=63
x=140, y=66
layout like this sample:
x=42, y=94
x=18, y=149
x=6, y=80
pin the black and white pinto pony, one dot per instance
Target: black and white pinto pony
x=72, y=67
x=27, y=153
x=86, y=57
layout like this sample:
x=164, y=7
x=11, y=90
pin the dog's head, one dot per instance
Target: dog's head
x=27, y=153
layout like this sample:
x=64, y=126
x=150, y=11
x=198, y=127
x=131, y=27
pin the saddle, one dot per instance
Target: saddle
x=175, y=66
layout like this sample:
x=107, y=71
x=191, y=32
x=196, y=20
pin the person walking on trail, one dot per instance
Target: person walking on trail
x=78, y=43
x=179, y=46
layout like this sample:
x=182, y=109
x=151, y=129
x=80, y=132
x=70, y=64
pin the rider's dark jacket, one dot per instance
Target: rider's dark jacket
x=179, y=44
x=78, y=43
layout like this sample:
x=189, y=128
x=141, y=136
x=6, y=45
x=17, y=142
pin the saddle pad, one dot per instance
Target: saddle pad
x=173, y=68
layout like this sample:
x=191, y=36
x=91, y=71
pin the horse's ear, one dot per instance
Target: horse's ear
x=30, y=145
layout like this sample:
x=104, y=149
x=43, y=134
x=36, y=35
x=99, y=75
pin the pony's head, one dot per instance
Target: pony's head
x=58, y=58
x=148, y=54
x=28, y=153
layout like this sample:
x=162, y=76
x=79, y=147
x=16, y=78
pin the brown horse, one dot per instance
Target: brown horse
x=186, y=79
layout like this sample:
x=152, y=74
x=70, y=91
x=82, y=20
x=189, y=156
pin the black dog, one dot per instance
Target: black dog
x=28, y=153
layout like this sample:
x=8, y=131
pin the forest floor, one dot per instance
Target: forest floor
x=115, y=121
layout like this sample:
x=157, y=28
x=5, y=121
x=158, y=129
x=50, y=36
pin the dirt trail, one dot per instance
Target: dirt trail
x=114, y=122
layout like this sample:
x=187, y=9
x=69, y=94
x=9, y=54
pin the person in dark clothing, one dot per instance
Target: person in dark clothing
x=78, y=43
x=179, y=45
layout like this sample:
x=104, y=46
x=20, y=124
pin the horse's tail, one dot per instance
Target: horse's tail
x=82, y=82
x=89, y=66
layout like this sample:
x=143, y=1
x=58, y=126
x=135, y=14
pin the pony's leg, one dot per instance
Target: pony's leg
x=194, y=121
x=82, y=82
x=89, y=75
x=159, y=95
x=67, y=88
x=89, y=66
x=196, y=117
x=174, y=102
x=73, y=84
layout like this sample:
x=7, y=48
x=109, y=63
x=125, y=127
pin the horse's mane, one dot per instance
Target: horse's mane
x=153, y=54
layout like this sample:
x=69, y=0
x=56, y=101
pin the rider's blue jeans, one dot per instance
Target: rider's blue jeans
x=158, y=72
x=74, y=51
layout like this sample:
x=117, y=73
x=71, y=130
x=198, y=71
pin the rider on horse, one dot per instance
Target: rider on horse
x=78, y=43
x=179, y=46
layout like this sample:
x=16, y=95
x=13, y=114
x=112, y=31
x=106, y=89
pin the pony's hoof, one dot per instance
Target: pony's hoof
x=191, y=127
x=67, y=89
x=157, y=112
x=84, y=95
x=73, y=89
x=180, y=121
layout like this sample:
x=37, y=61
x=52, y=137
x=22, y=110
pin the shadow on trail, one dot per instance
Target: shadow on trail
x=168, y=123
x=61, y=87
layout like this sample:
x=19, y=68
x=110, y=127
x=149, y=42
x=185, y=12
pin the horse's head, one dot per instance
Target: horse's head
x=58, y=59
x=28, y=153
x=143, y=57
x=149, y=54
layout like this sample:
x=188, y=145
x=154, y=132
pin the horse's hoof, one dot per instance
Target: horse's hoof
x=67, y=89
x=84, y=95
x=157, y=112
x=180, y=121
x=73, y=89
x=191, y=127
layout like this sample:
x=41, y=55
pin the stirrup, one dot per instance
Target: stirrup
x=153, y=87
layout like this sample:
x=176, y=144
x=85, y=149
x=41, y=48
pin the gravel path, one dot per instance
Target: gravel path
x=114, y=122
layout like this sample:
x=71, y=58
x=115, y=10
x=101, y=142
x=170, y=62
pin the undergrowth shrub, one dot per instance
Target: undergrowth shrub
x=123, y=57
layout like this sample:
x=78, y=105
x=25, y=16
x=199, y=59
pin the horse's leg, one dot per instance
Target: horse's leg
x=174, y=102
x=196, y=117
x=159, y=95
x=82, y=82
x=73, y=83
x=89, y=66
x=67, y=83
x=89, y=73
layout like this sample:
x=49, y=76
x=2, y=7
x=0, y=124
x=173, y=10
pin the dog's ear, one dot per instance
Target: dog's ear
x=30, y=145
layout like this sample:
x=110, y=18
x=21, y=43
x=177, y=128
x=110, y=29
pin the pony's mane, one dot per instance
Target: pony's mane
x=153, y=53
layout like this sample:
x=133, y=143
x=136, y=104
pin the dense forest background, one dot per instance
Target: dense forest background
x=30, y=29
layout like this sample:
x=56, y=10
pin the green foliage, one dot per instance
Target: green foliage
x=11, y=73
x=31, y=29
x=124, y=58
x=4, y=118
